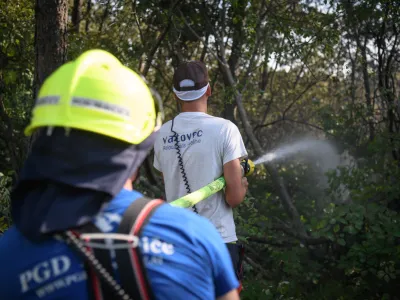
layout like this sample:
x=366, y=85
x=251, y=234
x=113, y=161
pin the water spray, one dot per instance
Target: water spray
x=265, y=158
x=312, y=147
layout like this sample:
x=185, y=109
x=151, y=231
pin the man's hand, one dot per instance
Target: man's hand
x=236, y=185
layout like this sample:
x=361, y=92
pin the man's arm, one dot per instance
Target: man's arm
x=232, y=295
x=232, y=150
x=236, y=185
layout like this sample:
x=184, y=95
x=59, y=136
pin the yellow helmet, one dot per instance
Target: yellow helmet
x=97, y=93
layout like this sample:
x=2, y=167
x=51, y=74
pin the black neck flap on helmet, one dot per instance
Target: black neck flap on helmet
x=67, y=179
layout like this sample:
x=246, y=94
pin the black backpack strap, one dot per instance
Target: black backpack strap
x=98, y=289
x=131, y=268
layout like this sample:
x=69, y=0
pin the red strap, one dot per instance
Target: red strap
x=133, y=221
x=137, y=226
x=143, y=215
x=94, y=281
x=97, y=293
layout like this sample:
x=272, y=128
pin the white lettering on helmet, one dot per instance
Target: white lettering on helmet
x=43, y=271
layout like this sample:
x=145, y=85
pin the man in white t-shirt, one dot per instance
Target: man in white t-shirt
x=195, y=148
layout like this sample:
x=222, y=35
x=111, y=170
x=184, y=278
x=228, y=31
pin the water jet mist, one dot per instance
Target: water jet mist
x=306, y=147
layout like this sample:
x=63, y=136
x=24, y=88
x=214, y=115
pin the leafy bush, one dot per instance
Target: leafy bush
x=5, y=216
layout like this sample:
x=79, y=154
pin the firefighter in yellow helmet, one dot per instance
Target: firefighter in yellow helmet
x=80, y=230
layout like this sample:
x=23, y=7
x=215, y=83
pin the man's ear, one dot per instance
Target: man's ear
x=178, y=103
x=208, y=92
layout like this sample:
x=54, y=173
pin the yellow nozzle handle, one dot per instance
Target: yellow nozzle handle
x=247, y=166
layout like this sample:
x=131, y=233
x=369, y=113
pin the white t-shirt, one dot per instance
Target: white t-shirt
x=206, y=143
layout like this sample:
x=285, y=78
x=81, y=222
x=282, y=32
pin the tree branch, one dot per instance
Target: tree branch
x=259, y=31
x=293, y=232
x=137, y=21
x=160, y=38
x=265, y=241
x=310, y=85
x=198, y=37
x=293, y=121
x=256, y=266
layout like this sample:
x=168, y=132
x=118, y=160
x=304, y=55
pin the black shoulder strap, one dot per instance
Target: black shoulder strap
x=131, y=268
x=98, y=288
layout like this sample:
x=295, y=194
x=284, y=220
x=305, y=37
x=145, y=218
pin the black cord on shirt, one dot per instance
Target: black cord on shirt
x=180, y=162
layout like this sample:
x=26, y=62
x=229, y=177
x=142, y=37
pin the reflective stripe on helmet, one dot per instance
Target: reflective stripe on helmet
x=93, y=103
x=47, y=100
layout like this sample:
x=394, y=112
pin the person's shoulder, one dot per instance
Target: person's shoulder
x=163, y=133
x=217, y=119
x=12, y=244
x=221, y=122
x=166, y=126
x=226, y=125
x=123, y=199
x=110, y=217
x=8, y=236
x=128, y=194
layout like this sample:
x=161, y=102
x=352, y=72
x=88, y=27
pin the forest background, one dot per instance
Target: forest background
x=319, y=226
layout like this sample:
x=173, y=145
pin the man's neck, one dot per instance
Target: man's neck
x=195, y=110
x=128, y=185
x=194, y=107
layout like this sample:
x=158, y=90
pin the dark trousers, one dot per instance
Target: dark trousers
x=236, y=252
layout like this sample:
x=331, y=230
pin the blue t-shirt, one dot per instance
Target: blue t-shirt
x=184, y=255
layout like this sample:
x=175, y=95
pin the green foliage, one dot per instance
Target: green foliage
x=16, y=79
x=360, y=253
x=5, y=216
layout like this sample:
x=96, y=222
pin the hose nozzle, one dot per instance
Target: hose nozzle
x=247, y=167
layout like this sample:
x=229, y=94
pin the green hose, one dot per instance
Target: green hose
x=206, y=191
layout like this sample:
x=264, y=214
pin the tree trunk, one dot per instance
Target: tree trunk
x=51, y=18
x=76, y=15
x=88, y=11
x=233, y=61
x=364, y=66
x=50, y=37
